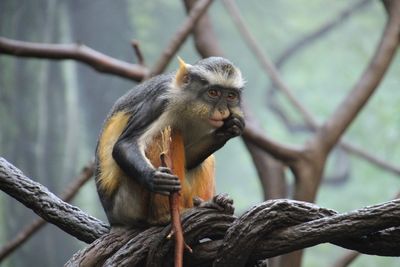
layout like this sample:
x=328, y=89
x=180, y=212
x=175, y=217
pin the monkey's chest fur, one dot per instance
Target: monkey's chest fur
x=132, y=203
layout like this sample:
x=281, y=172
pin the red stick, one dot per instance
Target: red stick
x=174, y=159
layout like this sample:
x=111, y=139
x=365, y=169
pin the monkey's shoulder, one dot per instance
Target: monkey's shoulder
x=140, y=106
x=144, y=94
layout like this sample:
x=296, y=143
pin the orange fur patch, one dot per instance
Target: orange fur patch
x=203, y=181
x=110, y=172
x=159, y=205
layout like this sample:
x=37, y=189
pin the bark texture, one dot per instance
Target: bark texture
x=272, y=228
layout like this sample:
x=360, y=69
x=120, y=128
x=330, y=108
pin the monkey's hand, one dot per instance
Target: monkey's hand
x=164, y=182
x=222, y=202
x=233, y=126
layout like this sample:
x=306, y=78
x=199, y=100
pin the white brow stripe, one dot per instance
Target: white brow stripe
x=221, y=78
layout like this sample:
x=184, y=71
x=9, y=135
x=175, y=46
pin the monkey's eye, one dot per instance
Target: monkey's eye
x=213, y=93
x=232, y=96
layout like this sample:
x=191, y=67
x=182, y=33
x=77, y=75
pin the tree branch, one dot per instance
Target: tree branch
x=204, y=35
x=334, y=127
x=79, y=52
x=199, y=8
x=207, y=45
x=48, y=206
x=279, y=151
x=346, y=259
x=138, y=52
x=268, y=229
x=260, y=233
x=272, y=71
x=36, y=225
x=321, y=31
x=264, y=61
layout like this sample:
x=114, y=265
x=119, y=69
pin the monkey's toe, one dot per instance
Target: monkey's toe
x=221, y=202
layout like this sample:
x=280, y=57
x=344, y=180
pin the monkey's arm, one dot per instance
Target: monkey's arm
x=128, y=155
x=197, y=152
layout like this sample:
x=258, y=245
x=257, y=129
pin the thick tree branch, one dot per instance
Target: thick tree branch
x=260, y=233
x=268, y=229
x=277, y=80
x=346, y=259
x=32, y=228
x=79, y=52
x=330, y=133
x=270, y=171
x=48, y=206
x=280, y=151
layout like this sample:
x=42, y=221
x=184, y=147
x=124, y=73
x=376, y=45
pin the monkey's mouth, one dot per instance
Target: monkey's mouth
x=216, y=123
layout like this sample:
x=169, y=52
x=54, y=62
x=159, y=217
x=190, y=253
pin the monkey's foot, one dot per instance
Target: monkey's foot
x=222, y=202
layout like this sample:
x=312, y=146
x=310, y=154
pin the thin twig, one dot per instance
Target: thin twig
x=342, y=17
x=138, y=52
x=79, y=52
x=181, y=34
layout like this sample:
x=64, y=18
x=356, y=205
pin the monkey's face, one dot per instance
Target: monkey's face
x=212, y=104
x=210, y=90
x=221, y=102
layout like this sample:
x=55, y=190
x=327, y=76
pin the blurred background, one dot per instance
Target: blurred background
x=51, y=112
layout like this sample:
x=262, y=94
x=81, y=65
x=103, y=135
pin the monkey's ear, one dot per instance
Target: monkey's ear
x=182, y=75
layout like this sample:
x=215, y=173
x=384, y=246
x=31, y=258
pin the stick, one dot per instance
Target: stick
x=174, y=159
x=175, y=218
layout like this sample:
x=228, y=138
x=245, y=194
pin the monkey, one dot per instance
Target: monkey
x=203, y=102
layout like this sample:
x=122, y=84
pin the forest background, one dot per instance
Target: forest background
x=51, y=112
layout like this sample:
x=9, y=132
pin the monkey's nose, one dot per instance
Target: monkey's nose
x=224, y=113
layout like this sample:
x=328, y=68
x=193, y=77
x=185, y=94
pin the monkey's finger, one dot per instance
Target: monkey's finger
x=229, y=209
x=164, y=170
x=223, y=198
x=210, y=205
x=167, y=180
x=197, y=201
x=238, y=118
x=167, y=184
x=168, y=187
x=165, y=176
x=165, y=188
x=234, y=130
x=234, y=123
x=239, y=123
